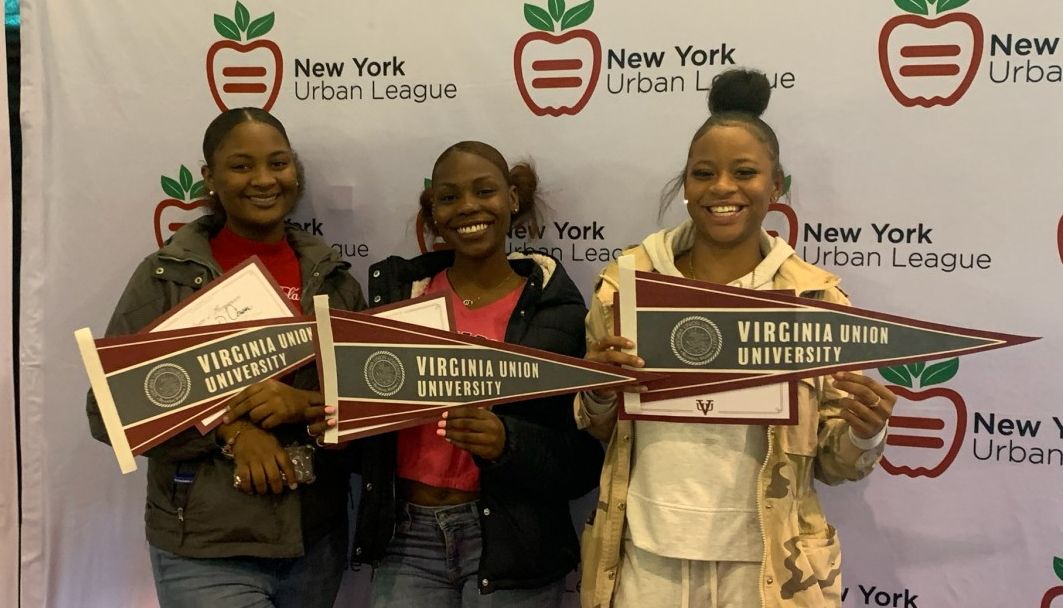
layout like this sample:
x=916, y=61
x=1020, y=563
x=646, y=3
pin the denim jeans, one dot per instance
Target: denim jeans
x=311, y=581
x=433, y=561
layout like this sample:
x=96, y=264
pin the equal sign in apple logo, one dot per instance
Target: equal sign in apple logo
x=932, y=52
x=556, y=69
x=256, y=72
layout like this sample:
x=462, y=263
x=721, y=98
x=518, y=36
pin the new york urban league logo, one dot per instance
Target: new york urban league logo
x=185, y=199
x=384, y=373
x=924, y=438
x=167, y=385
x=927, y=58
x=239, y=74
x=557, y=74
x=696, y=341
x=1057, y=591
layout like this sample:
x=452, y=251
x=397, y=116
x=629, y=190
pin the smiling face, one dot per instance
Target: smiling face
x=730, y=180
x=472, y=203
x=253, y=174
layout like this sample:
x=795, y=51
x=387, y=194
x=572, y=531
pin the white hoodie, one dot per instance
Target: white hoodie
x=704, y=508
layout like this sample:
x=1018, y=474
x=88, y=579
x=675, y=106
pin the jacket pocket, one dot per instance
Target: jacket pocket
x=219, y=513
x=823, y=556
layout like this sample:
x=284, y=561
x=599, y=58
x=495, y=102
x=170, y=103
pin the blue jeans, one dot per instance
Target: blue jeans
x=433, y=561
x=311, y=581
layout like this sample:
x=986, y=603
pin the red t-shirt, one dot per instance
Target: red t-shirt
x=230, y=249
x=423, y=455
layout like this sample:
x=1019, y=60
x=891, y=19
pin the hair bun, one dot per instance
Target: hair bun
x=746, y=91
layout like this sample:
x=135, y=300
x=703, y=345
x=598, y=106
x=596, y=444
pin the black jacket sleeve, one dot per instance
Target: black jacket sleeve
x=547, y=460
x=545, y=453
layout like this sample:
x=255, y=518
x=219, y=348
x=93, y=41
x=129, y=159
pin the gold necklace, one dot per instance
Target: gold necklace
x=468, y=302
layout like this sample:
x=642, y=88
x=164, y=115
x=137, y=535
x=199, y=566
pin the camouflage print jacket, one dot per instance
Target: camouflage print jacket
x=802, y=560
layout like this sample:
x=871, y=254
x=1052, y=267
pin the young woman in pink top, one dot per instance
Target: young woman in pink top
x=474, y=510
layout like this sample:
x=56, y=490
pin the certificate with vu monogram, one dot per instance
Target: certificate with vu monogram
x=732, y=355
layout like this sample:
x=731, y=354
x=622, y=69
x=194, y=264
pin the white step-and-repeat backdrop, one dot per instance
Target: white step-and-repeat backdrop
x=923, y=140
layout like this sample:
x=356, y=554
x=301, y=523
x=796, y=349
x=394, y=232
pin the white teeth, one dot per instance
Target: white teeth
x=472, y=229
x=724, y=209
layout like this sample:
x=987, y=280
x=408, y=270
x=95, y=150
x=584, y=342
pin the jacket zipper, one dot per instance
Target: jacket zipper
x=760, y=514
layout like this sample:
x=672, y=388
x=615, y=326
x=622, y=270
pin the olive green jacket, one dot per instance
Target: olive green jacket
x=192, y=508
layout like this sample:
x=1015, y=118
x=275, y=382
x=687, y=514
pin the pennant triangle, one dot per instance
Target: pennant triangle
x=713, y=338
x=384, y=371
x=151, y=386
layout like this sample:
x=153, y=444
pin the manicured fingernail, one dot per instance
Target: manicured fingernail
x=226, y=419
x=629, y=344
x=445, y=415
x=442, y=424
x=331, y=422
x=441, y=432
x=642, y=362
x=329, y=409
x=293, y=486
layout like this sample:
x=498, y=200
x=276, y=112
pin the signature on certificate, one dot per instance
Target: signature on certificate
x=227, y=312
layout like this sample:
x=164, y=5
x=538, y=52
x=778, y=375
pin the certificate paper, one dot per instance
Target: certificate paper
x=768, y=404
x=245, y=293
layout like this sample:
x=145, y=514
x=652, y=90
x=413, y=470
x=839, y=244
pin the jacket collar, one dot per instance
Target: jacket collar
x=553, y=282
x=192, y=244
x=793, y=273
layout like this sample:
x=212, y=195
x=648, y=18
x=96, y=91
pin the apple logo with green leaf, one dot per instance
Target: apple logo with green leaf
x=928, y=426
x=1057, y=591
x=186, y=199
x=787, y=212
x=426, y=241
x=242, y=75
x=557, y=74
x=928, y=58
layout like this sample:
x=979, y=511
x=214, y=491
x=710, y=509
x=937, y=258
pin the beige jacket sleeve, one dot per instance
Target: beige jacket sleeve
x=596, y=417
x=838, y=459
